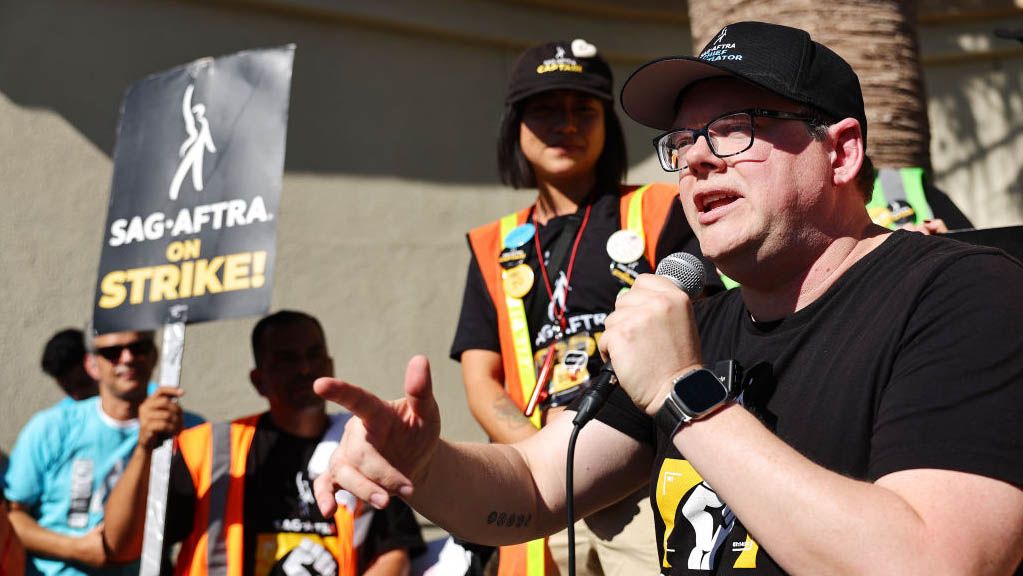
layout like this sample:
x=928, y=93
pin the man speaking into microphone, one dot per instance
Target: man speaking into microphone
x=879, y=424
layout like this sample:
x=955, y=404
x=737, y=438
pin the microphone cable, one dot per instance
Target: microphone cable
x=687, y=272
x=570, y=496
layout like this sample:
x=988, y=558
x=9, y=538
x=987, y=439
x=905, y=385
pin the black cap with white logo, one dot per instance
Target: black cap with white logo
x=781, y=59
x=574, y=65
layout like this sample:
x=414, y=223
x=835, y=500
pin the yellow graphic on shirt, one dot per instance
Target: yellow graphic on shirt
x=296, y=554
x=680, y=488
x=674, y=480
x=748, y=554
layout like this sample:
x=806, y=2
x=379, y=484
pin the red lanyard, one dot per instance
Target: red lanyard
x=540, y=390
x=559, y=311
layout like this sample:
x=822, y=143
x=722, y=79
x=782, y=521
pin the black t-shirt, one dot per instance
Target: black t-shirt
x=910, y=360
x=280, y=510
x=591, y=295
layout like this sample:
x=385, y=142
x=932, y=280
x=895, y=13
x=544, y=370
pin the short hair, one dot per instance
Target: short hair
x=279, y=318
x=63, y=351
x=516, y=171
x=818, y=128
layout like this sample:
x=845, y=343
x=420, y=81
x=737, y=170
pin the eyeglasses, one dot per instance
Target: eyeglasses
x=727, y=135
x=137, y=348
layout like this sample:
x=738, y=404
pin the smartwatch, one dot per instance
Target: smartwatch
x=693, y=395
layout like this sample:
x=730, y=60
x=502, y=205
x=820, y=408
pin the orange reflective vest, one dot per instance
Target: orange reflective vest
x=644, y=210
x=216, y=455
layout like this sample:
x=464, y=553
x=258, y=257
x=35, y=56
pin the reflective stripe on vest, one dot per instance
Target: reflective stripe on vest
x=520, y=332
x=220, y=478
x=906, y=184
x=644, y=210
x=216, y=456
x=632, y=209
x=532, y=558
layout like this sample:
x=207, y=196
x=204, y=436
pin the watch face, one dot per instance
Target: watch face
x=700, y=391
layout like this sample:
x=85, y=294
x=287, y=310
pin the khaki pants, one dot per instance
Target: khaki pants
x=616, y=541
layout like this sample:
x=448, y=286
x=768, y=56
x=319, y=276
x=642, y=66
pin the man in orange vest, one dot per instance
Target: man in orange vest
x=240, y=497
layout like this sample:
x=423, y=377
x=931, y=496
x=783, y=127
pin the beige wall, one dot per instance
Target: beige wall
x=390, y=159
x=974, y=85
x=393, y=116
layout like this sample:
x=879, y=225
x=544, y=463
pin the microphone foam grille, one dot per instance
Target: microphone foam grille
x=685, y=270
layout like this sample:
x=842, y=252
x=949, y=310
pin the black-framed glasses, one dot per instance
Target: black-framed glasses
x=137, y=348
x=727, y=135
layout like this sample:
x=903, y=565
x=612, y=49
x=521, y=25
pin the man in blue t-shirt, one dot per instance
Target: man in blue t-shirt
x=69, y=456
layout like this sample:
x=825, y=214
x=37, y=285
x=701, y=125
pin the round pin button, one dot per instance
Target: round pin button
x=519, y=235
x=625, y=246
x=511, y=257
x=517, y=280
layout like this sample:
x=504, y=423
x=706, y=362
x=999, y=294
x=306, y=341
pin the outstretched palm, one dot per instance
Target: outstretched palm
x=387, y=446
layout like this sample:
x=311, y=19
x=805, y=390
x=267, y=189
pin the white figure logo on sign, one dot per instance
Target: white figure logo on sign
x=193, y=150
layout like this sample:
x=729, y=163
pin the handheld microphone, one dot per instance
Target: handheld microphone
x=687, y=272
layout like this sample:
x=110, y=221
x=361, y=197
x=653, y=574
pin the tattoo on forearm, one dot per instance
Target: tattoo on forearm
x=509, y=412
x=509, y=519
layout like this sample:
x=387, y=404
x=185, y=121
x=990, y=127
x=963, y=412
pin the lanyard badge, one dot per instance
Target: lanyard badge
x=559, y=308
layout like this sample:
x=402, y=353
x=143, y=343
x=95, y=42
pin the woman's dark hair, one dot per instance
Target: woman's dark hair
x=516, y=171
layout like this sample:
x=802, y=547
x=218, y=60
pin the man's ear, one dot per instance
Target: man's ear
x=256, y=377
x=847, y=151
x=91, y=366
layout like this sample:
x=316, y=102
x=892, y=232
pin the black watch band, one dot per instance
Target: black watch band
x=669, y=418
x=693, y=395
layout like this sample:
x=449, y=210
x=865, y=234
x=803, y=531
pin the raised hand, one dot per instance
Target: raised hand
x=386, y=446
x=928, y=227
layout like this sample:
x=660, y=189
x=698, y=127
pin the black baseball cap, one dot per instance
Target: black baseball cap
x=561, y=65
x=781, y=59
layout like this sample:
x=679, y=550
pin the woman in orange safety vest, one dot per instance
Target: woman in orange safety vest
x=542, y=279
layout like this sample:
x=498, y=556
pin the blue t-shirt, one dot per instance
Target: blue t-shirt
x=63, y=465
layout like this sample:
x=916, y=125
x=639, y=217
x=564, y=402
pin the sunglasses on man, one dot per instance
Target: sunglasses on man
x=137, y=348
